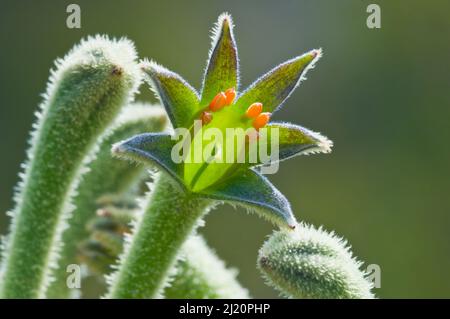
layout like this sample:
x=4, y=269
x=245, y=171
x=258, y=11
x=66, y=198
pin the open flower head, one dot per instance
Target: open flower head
x=227, y=134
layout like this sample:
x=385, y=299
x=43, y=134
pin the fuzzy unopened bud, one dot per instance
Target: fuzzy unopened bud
x=311, y=263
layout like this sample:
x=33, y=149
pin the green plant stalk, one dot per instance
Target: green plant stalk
x=170, y=216
x=84, y=95
x=107, y=175
x=200, y=274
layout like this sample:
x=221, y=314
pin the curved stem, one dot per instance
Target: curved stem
x=169, y=218
x=107, y=175
x=84, y=95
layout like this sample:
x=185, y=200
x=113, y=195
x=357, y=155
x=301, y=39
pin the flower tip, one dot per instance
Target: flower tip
x=117, y=149
x=316, y=53
x=225, y=20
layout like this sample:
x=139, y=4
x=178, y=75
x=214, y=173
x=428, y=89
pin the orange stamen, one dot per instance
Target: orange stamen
x=261, y=120
x=254, y=110
x=206, y=117
x=231, y=95
x=218, y=102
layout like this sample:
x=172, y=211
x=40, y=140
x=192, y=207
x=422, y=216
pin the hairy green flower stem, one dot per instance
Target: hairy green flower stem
x=107, y=175
x=171, y=215
x=84, y=95
x=198, y=274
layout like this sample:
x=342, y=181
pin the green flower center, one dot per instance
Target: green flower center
x=221, y=140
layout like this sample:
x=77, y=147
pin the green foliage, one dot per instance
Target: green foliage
x=107, y=175
x=311, y=263
x=84, y=94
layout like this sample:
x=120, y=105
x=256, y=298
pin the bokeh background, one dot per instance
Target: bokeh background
x=382, y=95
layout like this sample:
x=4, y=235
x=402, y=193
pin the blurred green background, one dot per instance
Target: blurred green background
x=381, y=95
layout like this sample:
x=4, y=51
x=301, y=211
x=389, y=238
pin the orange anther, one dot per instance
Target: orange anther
x=205, y=117
x=218, y=102
x=231, y=95
x=254, y=110
x=261, y=120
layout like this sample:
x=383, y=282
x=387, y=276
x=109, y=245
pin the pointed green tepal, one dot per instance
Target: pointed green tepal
x=222, y=71
x=254, y=192
x=179, y=99
x=292, y=140
x=274, y=87
x=152, y=149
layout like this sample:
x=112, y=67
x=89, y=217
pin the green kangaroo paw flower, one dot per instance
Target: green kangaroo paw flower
x=177, y=96
x=222, y=70
x=84, y=95
x=200, y=274
x=311, y=263
x=215, y=176
x=274, y=87
x=153, y=149
x=207, y=179
x=106, y=175
x=254, y=192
